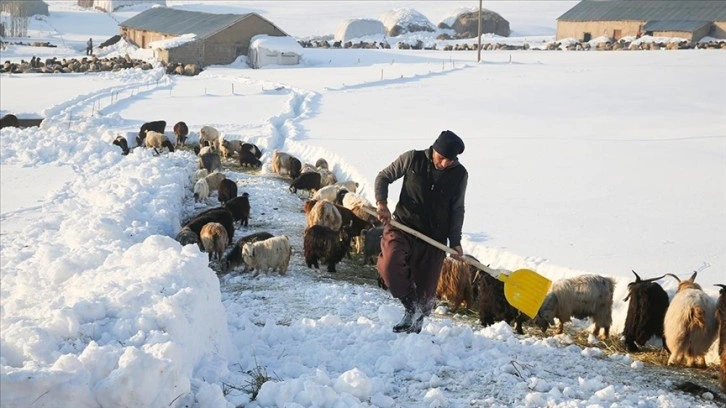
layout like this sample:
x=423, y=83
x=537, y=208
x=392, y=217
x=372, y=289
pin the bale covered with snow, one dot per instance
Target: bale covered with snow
x=466, y=25
x=404, y=20
x=359, y=27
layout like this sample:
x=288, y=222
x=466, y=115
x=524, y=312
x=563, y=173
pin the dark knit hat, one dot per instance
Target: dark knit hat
x=449, y=145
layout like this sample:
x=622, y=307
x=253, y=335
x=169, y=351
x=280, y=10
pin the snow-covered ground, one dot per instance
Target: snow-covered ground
x=579, y=162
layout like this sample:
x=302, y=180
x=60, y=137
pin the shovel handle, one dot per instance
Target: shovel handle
x=438, y=245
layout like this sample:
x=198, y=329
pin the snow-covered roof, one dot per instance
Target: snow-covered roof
x=173, y=42
x=359, y=27
x=277, y=43
x=111, y=5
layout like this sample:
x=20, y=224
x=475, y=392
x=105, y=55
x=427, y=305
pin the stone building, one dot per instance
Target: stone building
x=615, y=19
x=217, y=38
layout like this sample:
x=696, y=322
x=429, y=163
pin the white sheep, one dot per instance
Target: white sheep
x=158, y=140
x=328, y=193
x=201, y=190
x=214, y=240
x=199, y=174
x=580, y=297
x=210, y=135
x=690, y=324
x=271, y=254
x=214, y=179
x=326, y=214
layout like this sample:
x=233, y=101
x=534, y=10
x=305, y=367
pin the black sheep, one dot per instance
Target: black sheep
x=646, y=311
x=248, y=159
x=493, y=305
x=219, y=214
x=324, y=244
x=156, y=126
x=240, y=208
x=307, y=181
x=121, y=142
x=249, y=147
x=233, y=258
x=227, y=191
x=181, y=130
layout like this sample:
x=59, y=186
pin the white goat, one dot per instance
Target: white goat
x=210, y=135
x=273, y=253
x=201, y=190
x=690, y=324
x=580, y=297
x=214, y=179
x=324, y=213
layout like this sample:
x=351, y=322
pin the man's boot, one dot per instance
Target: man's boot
x=416, y=320
x=409, y=311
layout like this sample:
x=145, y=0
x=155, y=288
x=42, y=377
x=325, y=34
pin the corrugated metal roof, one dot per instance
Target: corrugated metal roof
x=177, y=22
x=662, y=10
x=670, y=25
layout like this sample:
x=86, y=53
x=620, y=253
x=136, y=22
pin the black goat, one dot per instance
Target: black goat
x=220, y=215
x=240, y=208
x=324, y=244
x=121, y=142
x=306, y=181
x=227, y=191
x=248, y=159
x=646, y=311
x=249, y=147
x=493, y=305
x=156, y=126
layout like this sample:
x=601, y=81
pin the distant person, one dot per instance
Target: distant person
x=431, y=202
x=89, y=47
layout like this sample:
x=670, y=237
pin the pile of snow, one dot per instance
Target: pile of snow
x=112, y=5
x=285, y=44
x=357, y=28
x=409, y=20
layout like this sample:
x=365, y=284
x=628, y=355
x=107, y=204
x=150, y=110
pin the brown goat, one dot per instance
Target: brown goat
x=455, y=283
x=321, y=243
x=214, y=239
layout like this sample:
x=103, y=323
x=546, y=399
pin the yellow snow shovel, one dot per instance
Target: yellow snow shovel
x=524, y=289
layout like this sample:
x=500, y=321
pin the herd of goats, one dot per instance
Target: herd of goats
x=339, y=221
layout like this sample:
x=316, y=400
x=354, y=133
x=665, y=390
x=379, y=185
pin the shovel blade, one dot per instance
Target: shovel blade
x=526, y=290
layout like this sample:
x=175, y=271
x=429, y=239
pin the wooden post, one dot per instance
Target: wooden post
x=478, y=50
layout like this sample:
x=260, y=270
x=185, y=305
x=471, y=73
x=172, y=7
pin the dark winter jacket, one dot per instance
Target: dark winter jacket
x=431, y=201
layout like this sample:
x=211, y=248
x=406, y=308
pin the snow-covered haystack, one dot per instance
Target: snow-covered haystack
x=357, y=28
x=466, y=24
x=403, y=20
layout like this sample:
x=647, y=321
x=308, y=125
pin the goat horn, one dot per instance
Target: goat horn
x=722, y=286
x=637, y=278
x=670, y=274
x=655, y=279
x=693, y=277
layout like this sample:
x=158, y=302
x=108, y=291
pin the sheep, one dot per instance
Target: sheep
x=646, y=310
x=306, y=181
x=220, y=215
x=328, y=193
x=210, y=161
x=324, y=213
x=455, y=283
x=324, y=244
x=229, y=147
x=721, y=317
x=210, y=135
x=579, y=297
x=493, y=305
x=240, y=208
x=371, y=243
x=214, y=240
x=248, y=159
x=249, y=147
x=199, y=174
x=214, y=180
x=201, y=190
x=181, y=130
x=158, y=140
x=285, y=164
x=233, y=258
x=349, y=185
x=327, y=177
x=690, y=324
x=9, y=120
x=186, y=236
x=273, y=253
x=121, y=142
x=321, y=164
x=227, y=190
x=156, y=126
